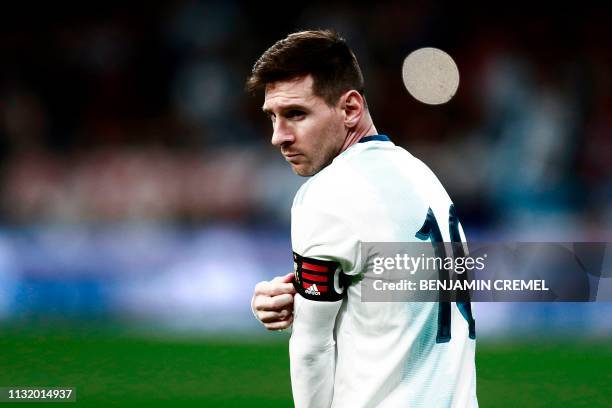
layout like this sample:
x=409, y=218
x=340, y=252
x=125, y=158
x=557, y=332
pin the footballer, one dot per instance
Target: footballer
x=362, y=188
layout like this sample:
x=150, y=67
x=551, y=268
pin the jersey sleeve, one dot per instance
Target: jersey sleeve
x=317, y=233
x=324, y=249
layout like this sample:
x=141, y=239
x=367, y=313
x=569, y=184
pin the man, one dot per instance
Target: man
x=345, y=352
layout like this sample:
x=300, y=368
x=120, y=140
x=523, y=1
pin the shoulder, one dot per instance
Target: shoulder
x=374, y=179
x=349, y=175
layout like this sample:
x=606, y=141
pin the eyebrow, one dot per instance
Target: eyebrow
x=285, y=108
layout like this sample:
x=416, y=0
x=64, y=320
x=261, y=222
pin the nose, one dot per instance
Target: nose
x=281, y=133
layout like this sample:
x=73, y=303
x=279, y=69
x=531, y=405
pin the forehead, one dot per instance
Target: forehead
x=290, y=92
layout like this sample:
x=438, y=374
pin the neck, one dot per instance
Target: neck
x=364, y=128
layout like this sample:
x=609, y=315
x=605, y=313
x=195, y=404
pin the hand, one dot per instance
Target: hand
x=272, y=302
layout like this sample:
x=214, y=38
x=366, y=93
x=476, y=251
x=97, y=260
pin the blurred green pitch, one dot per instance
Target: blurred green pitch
x=109, y=367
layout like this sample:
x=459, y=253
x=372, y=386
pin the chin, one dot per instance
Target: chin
x=303, y=171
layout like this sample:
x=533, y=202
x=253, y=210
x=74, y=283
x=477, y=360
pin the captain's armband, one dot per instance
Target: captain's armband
x=316, y=279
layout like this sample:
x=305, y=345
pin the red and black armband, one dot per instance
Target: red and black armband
x=316, y=279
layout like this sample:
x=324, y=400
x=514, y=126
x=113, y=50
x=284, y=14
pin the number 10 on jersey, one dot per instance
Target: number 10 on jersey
x=431, y=231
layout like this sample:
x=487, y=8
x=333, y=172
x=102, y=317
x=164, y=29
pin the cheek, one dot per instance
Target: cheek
x=320, y=141
x=313, y=132
x=321, y=136
x=333, y=132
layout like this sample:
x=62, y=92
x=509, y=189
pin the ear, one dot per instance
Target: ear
x=353, y=107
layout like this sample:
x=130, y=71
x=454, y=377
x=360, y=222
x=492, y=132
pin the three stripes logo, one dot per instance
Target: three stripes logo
x=313, y=290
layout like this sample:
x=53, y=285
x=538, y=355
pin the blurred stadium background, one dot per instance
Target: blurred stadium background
x=140, y=200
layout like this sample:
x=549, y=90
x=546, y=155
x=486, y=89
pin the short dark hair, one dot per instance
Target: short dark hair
x=321, y=53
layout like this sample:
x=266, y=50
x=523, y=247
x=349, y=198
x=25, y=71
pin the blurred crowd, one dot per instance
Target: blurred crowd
x=137, y=113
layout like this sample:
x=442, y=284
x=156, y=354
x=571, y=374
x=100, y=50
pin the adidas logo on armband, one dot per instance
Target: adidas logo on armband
x=312, y=290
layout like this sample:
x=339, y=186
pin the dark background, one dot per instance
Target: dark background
x=140, y=199
x=88, y=90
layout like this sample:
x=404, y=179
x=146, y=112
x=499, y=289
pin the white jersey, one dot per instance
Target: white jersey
x=349, y=353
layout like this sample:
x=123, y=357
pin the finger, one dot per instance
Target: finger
x=274, y=304
x=281, y=288
x=272, y=317
x=262, y=288
x=277, y=303
x=284, y=279
x=276, y=286
x=258, y=303
x=279, y=325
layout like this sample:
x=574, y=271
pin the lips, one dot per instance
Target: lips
x=291, y=156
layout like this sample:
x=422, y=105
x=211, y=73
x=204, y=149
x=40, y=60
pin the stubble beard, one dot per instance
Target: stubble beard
x=327, y=153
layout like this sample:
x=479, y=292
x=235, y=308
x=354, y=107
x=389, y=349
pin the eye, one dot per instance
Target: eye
x=295, y=114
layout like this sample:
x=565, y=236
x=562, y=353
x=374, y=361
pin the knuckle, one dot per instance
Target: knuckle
x=275, y=303
x=260, y=288
x=257, y=303
x=267, y=304
x=281, y=301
